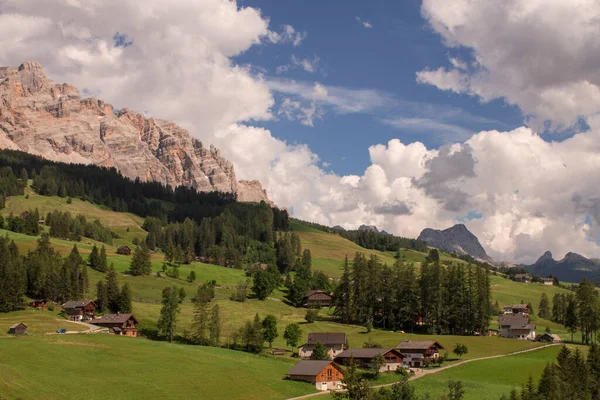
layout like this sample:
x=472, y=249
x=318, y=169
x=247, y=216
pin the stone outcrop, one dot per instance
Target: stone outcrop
x=457, y=239
x=42, y=117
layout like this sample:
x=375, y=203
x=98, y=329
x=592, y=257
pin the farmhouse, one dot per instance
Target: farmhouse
x=415, y=352
x=121, y=324
x=335, y=343
x=124, y=250
x=319, y=297
x=548, y=281
x=525, y=278
x=18, y=329
x=79, y=310
x=516, y=309
x=549, y=338
x=325, y=375
x=39, y=304
x=516, y=327
x=364, y=358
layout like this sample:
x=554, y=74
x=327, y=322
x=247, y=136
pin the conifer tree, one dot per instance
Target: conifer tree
x=112, y=289
x=93, y=259
x=215, y=326
x=125, y=299
x=167, y=322
x=101, y=297
x=140, y=262
x=102, y=262
x=544, y=307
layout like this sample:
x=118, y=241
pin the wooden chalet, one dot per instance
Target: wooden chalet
x=334, y=341
x=318, y=297
x=525, y=278
x=550, y=338
x=516, y=326
x=415, y=352
x=80, y=310
x=39, y=304
x=119, y=324
x=124, y=250
x=18, y=329
x=325, y=375
x=548, y=281
x=364, y=358
x=516, y=309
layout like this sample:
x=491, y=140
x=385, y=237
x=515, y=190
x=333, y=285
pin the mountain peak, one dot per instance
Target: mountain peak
x=546, y=256
x=457, y=239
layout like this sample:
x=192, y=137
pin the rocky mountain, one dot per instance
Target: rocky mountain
x=371, y=228
x=456, y=239
x=50, y=119
x=572, y=268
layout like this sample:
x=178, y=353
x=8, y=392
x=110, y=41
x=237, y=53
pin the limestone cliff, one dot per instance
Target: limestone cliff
x=43, y=117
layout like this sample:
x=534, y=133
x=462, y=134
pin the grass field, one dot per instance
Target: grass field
x=489, y=379
x=104, y=366
x=38, y=322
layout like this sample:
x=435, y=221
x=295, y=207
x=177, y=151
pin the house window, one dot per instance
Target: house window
x=329, y=374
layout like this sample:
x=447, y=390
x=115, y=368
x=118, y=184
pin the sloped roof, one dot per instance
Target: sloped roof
x=110, y=319
x=311, y=292
x=522, y=276
x=77, y=304
x=366, y=353
x=326, y=338
x=523, y=306
x=310, y=367
x=418, y=345
x=17, y=324
x=515, y=321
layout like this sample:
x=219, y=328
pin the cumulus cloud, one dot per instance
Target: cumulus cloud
x=175, y=62
x=520, y=56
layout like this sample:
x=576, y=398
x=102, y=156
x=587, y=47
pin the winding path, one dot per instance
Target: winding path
x=421, y=373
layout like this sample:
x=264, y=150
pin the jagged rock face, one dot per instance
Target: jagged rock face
x=42, y=117
x=456, y=239
x=572, y=268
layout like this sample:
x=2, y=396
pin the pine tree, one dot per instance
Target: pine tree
x=215, y=326
x=125, y=299
x=571, y=315
x=112, y=289
x=102, y=262
x=101, y=297
x=169, y=312
x=201, y=322
x=544, y=307
x=549, y=385
x=140, y=262
x=93, y=259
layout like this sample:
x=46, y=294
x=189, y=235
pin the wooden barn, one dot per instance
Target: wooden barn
x=18, y=329
x=318, y=297
x=120, y=324
x=39, y=304
x=325, y=375
x=124, y=250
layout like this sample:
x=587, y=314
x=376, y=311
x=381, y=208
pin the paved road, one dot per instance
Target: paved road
x=422, y=372
x=91, y=328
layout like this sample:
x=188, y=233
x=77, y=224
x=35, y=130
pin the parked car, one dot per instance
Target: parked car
x=61, y=330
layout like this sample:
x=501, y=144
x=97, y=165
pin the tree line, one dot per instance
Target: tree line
x=451, y=300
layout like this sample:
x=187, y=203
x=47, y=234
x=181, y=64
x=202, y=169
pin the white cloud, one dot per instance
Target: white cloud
x=541, y=55
x=308, y=65
x=449, y=132
x=287, y=35
x=532, y=195
x=366, y=24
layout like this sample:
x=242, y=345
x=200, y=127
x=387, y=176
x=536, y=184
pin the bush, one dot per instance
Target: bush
x=311, y=315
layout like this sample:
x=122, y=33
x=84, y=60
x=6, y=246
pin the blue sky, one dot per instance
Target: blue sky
x=383, y=58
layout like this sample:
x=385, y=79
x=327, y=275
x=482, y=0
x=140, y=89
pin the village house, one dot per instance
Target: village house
x=516, y=326
x=335, y=343
x=39, y=304
x=415, y=352
x=550, y=338
x=364, y=358
x=323, y=299
x=548, y=281
x=325, y=375
x=524, y=278
x=120, y=324
x=18, y=329
x=124, y=250
x=516, y=309
x=80, y=310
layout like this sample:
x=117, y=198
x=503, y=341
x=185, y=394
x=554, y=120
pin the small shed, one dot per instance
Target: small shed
x=278, y=352
x=124, y=250
x=18, y=329
x=40, y=304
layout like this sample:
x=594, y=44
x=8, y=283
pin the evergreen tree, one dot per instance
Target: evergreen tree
x=125, y=299
x=169, y=312
x=140, y=262
x=571, y=315
x=456, y=390
x=12, y=277
x=102, y=262
x=544, y=307
x=113, y=292
x=201, y=315
x=549, y=385
x=215, y=326
x=93, y=259
x=101, y=297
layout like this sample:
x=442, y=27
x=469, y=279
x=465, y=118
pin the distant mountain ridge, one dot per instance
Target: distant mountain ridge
x=371, y=228
x=456, y=239
x=572, y=268
x=52, y=120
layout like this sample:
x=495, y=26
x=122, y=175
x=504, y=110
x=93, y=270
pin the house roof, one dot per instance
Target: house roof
x=111, y=319
x=522, y=276
x=418, y=345
x=523, y=306
x=17, y=324
x=515, y=321
x=77, y=304
x=310, y=367
x=311, y=292
x=326, y=338
x=366, y=353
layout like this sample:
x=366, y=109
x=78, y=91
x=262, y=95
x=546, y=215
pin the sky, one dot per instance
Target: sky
x=403, y=115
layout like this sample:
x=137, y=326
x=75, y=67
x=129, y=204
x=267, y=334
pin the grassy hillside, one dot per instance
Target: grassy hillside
x=38, y=322
x=104, y=366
